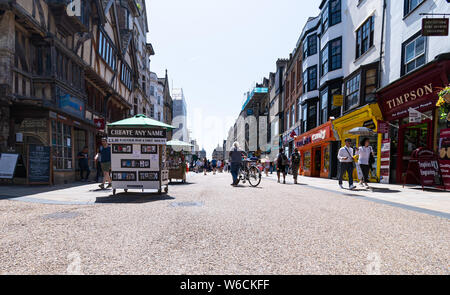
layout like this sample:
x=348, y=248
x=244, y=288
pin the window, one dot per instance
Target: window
x=371, y=84
x=336, y=54
x=126, y=76
x=107, y=50
x=312, y=78
x=288, y=117
x=324, y=61
x=152, y=111
x=312, y=116
x=352, y=87
x=293, y=114
x=364, y=37
x=310, y=45
x=152, y=90
x=335, y=12
x=331, y=14
x=304, y=118
x=325, y=16
x=413, y=54
x=305, y=81
x=324, y=106
x=410, y=5
x=62, y=146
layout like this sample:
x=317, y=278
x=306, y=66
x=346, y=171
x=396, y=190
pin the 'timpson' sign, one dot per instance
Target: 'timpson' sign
x=410, y=96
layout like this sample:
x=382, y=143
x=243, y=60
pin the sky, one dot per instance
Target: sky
x=217, y=50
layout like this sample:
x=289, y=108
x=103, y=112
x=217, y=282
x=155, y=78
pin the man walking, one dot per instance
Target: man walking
x=282, y=162
x=295, y=162
x=105, y=162
x=83, y=163
x=236, y=161
x=345, y=157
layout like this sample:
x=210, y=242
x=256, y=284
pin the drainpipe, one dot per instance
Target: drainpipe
x=381, y=43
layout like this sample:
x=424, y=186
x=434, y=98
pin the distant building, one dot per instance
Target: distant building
x=218, y=153
x=202, y=154
x=179, y=120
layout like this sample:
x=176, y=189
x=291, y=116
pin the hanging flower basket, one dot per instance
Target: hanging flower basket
x=444, y=103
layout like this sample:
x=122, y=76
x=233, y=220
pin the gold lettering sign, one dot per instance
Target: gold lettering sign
x=410, y=96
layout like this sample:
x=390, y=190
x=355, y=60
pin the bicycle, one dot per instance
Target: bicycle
x=251, y=174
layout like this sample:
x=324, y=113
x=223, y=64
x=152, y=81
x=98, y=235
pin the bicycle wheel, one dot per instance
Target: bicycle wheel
x=254, y=176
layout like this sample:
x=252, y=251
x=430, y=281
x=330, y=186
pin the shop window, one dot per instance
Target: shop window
x=352, y=87
x=364, y=37
x=324, y=106
x=306, y=161
x=326, y=159
x=413, y=54
x=62, y=146
x=410, y=5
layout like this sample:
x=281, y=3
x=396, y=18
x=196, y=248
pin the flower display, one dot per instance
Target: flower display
x=444, y=103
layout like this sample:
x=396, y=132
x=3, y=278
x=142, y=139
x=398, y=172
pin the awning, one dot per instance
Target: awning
x=141, y=121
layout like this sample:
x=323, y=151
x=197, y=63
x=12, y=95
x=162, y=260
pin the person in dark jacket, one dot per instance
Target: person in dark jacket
x=83, y=163
x=236, y=161
x=282, y=162
x=295, y=163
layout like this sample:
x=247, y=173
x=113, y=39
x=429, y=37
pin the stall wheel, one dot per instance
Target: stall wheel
x=125, y=190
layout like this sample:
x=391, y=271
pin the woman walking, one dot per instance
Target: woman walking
x=364, y=152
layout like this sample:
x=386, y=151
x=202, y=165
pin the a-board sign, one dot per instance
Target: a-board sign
x=39, y=164
x=444, y=157
x=8, y=164
x=136, y=135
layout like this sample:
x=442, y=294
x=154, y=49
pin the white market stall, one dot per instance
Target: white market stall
x=138, y=154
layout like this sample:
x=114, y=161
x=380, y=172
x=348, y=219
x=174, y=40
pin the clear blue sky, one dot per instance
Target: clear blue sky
x=216, y=50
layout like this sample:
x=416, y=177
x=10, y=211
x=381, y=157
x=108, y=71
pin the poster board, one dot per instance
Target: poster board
x=8, y=163
x=444, y=157
x=423, y=168
x=39, y=164
x=385, y=159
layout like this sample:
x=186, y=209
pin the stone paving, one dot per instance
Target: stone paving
x=208, y=227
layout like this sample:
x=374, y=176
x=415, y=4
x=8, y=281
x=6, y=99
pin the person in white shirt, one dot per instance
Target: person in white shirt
x=345, y=157
x=364, y=152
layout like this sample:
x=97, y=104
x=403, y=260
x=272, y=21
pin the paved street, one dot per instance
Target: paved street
x=209, y=227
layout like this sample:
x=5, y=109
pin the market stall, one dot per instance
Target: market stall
x=138, y=154
x=176, y=162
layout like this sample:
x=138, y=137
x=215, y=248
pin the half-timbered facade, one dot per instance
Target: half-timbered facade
x=67, y=68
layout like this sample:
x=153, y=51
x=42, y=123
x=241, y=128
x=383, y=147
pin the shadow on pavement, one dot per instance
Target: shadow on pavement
x=180, y=183
x=383, y=190
x=19, y=190
x=133, y=198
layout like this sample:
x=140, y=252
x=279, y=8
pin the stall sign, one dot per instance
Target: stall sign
x=385, y=160
x=429, y=172
x=444, y=157
x=137, y=136
x=39, y=167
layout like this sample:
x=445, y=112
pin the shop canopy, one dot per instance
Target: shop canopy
x=178, y=143
x=141, y=121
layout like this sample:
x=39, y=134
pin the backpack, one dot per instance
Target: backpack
x=295, y=158
x=284, y=160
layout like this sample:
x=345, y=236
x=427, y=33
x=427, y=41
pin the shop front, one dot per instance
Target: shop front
x=366, y=116
x=409, y=105
x=316, y=148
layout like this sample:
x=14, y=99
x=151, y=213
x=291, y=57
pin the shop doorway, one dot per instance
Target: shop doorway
x=317, y=164
x=411, y=137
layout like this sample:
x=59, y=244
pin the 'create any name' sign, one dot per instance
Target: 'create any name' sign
x=137, y=135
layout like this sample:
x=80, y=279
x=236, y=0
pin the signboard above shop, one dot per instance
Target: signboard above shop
x=435, y=27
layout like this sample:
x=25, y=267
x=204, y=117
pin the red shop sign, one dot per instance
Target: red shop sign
x=99, y=124
x=419, y=92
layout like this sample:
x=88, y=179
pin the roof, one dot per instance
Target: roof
x=141, y=121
